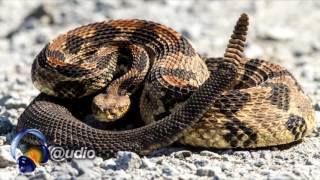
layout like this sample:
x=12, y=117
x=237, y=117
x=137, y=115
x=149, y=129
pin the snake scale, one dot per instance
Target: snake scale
x=227, y=102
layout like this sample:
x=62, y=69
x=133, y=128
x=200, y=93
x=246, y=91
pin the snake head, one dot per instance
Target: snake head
x=110, y=108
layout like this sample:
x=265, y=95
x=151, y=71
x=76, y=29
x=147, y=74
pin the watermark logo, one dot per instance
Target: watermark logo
x=35, y=155
x=58, y=153
x=40, y=154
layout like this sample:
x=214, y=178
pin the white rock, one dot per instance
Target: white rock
x=9, y=173
x=169, y=170
x=60, y=175
x=128, y=160
x=120, y=174
x=5, y=156
x=14, y=103
x=243, y=154
x=210, y=154
x=278, y=175
x=214, y=172
x=259, y=163
x=147, y=164
x=267, y=155
x=97, y=161
x=85, y=168
x=108, y=164
x=201, y=162
x=20, y=177
x=61, y=169
x=40, y=173
x=182, y=154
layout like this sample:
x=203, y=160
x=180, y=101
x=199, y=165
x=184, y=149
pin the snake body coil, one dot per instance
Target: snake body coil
x=212, y=102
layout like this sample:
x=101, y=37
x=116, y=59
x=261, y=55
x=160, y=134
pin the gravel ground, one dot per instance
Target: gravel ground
x=286, y=32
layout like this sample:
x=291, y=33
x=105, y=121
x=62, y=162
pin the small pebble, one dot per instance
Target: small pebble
x=85, y=168
x=128, y=160
x=201, y=163
x=259, y=163
x=108, y=164
x=182, y=154
x=205, y=172
x=243, y=154
x=146, y=163
x=267, y=155
x=97, y=161
x=13, y=103
x=210, y=154
x=169, y=170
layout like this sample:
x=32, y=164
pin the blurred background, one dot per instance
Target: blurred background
x=285, y=32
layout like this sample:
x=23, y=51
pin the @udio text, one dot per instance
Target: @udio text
x=58, y=153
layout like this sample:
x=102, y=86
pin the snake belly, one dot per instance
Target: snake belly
x=211, y=102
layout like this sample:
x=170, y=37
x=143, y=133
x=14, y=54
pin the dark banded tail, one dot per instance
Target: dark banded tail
x=234, y=51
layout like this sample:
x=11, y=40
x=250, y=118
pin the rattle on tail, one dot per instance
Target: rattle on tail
x=221, y=102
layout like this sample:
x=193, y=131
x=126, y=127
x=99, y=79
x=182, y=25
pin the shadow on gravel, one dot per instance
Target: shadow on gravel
x=177, y=147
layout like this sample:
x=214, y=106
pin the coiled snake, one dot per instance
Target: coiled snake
x=224, y=102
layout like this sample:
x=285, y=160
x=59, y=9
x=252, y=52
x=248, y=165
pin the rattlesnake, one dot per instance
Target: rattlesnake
x=224, y=102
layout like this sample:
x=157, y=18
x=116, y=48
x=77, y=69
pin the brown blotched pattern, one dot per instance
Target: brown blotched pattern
x=227, y=102
x=297, y=126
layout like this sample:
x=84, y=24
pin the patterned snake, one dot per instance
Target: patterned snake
x=229, y=102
